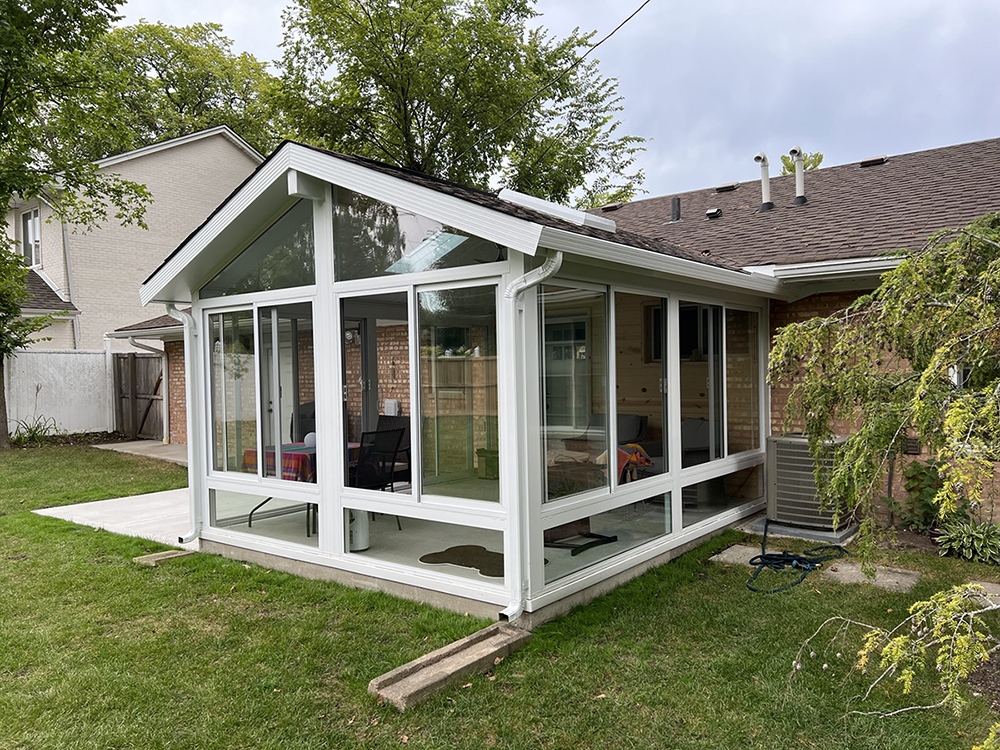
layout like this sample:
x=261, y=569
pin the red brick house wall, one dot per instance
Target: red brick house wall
x=176, y=395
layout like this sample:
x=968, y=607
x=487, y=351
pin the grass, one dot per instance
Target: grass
x=205, y=652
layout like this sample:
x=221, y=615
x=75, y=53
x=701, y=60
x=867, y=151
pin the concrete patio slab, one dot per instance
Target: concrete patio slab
x=150, y=449
x=157, y=516
x=843, y=571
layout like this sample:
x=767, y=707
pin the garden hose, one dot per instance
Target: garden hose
x=807, y=562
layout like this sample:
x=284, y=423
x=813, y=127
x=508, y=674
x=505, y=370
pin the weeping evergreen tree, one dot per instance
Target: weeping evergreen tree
x=918, y=357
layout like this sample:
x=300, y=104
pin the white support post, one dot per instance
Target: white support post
x=673, y=426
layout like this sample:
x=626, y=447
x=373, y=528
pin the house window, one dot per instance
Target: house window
x=742, y=381
x=372, y=238
x=234, y=397
x=574, y=359
x=31, y=238
x=280, y=258
x=700, y=342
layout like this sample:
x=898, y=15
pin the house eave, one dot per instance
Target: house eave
x=829, y=270
x=166, y=333
x=223, y=130
x=647, y=260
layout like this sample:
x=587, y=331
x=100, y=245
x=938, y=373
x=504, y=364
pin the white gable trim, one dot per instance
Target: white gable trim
x=223, y=130
x=510, y=231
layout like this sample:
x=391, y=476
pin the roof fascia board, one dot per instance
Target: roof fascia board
x=37, y=312
x=833, y=270
x=509, y=231
x=605, y=250
x=148, y=333
x=153, y=148
x=268, y=174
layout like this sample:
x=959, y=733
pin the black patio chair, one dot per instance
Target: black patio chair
x=376, y=462
x=401, y=472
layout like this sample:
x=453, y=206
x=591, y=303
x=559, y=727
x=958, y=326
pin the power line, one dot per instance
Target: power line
x=551, y=83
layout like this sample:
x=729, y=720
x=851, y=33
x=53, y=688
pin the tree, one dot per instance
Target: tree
x=160, y=81
x=44, y=70
x=919, y=356
x=812, y=161
x=460, y=89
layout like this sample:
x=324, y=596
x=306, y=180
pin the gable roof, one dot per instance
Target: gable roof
x=224, y=130
x=42, y=297
x=851, y=211
x=275, y=185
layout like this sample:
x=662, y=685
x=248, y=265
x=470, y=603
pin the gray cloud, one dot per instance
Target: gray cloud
x=714, y=81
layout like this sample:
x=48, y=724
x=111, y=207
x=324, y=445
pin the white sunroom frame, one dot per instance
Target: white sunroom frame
x=520, y=514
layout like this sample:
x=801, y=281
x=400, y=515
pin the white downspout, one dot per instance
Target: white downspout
x=164, y=367
x=549, y=268
x=190, y=334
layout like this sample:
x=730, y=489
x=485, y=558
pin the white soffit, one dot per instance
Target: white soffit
x=829, y=270
x=266, y=194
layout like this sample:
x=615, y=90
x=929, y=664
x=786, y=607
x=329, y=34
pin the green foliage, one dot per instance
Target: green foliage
x=812, y=161
x=45, y=70
x=32, y=431
x=459, y=89
x=972, y=541
x=885, y=366
x=160, y=81
x=920, y=511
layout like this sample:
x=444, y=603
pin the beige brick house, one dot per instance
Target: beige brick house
x=90, y=279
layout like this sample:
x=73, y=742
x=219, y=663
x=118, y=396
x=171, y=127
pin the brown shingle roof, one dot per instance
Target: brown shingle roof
x=43, y=297
x=163, y=321
x=851, y=211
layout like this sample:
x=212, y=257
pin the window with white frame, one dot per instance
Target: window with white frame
x=31, y=237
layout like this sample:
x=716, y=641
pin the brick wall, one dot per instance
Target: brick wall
x=176, y=395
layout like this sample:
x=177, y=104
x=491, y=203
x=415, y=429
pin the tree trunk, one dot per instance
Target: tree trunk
x=4, y=432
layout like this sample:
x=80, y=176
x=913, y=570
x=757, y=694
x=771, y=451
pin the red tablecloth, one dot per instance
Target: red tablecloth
x=298, y=462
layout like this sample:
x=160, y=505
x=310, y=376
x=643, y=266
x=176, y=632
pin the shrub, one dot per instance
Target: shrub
x=972, y=541
x=919, y=512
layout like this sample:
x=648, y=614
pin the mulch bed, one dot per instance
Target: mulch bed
x=911, y=542
x=80, y=438
x=986, y=680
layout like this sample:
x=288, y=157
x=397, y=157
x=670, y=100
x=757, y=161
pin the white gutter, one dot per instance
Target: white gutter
x=828, y=270
x=159, y=334
x=190, y=334
x=647, y=260
x=164, y=368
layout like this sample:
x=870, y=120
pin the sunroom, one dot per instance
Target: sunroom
x=493, y=403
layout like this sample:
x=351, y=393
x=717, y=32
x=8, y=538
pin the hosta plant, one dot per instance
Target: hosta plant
x=972, y=541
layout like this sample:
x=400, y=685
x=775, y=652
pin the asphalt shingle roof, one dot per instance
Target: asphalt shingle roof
x=851, y=211
x=43, y=297
x=163, y=321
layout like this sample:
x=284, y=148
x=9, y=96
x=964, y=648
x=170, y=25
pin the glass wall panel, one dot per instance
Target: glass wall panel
x=579, y=544
x=282, y=257
x=288, y=408
x=458, y=393
x=234, y=398
x=742, y=381
x=270, y=517
x=711, y=497
x=463, y=551
x=639, y=389
x=377, y=391
x=574, y=371
x=372, y=238
x=700, y=341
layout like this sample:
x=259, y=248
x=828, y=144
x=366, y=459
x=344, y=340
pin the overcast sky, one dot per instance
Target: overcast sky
x=712, y=82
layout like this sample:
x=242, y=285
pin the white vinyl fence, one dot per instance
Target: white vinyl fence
x=71, y=387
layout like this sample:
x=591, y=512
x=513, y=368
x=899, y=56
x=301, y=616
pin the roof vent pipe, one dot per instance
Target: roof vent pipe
x=675, y=208
x=765, y=183
x=798, y=155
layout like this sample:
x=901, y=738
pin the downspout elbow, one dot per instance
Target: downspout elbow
x=551, y=266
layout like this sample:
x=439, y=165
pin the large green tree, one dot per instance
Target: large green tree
x=159, y=81
x=460, y=89
x=918, y=357
x=44, y=69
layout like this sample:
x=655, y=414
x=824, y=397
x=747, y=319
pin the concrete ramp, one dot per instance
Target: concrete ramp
x=417, y=681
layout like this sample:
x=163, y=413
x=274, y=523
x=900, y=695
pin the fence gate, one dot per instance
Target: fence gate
x=139, y=395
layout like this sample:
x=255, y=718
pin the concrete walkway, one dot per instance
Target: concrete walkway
x=151, y=449
x=158, y=516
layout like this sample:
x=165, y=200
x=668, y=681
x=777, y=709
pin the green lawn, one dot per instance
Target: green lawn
x=96, y=652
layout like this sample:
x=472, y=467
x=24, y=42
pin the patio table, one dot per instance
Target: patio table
x=298, y=462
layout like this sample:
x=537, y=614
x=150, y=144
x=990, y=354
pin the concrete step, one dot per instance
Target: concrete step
x=417, y=681
x=157, y=557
